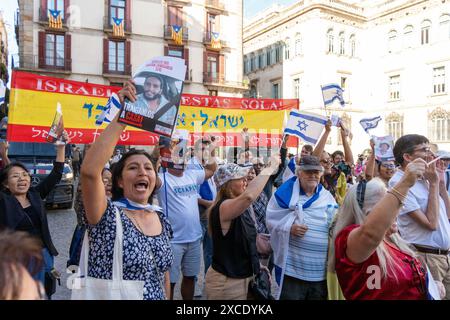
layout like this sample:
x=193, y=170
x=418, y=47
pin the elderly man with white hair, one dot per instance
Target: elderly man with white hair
x=299, y=216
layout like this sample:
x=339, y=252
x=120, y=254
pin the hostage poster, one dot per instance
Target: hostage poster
x=159, y=83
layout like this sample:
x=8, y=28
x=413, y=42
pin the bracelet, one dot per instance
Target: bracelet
x=398, y=192
x=396, y=196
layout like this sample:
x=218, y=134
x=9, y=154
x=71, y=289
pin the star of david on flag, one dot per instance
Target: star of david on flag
x=370, y=123
x=306, y=126
x=331, y=92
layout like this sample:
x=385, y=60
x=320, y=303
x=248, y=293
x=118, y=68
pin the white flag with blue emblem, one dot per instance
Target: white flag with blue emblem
x=370, y=123
x=331, y=92
x=307, y=126
x=2, y=92
x=110, y=111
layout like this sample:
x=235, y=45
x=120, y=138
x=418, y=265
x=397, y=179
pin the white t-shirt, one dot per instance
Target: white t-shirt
x=194, y=164
x=410, y=230
x=182, y=204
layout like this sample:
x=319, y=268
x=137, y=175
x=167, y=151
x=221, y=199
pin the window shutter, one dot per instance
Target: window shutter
x=68, y=52
x=41, y=43
x=205, y=66
x=105, y=55
x=180, y=19
x=43, y=11
x=186, y=59
x=166, y=50
x=128, y=57
x=222, y=67
x=66, y=11
x=128, y=16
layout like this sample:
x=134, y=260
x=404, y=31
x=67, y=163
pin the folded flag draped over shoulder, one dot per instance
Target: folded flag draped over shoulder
x=177, y=34
x=307, y=126
x=331, y=92
x=369, y=123
x=118, y=30
x=2, y=92
x=110, y=111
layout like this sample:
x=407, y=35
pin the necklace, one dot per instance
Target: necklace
x=137, y=223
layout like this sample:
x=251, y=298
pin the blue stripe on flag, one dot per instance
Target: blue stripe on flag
x=308, y=117
x=298, y=133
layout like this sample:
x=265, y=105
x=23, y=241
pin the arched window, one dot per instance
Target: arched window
x=341, y=43
x=444, y=27
x=425, y=32
x=298, y=44
x=287, y=48
x=394, y=125
x=439, y=125
x=392, y=41
x=330, y=41
x=408, y=37
x=353, y=45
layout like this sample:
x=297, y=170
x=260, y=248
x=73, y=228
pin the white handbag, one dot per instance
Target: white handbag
x=89, y=288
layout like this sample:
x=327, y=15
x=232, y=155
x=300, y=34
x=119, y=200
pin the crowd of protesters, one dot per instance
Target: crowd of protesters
x=320, y=225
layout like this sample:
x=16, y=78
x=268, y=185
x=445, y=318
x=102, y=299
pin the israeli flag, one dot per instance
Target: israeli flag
x=370, y=123
x=110, y=111
x=2, y=92
x=307, y=126
x=331, y=92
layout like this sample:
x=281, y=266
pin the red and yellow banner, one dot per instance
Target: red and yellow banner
x=34, y=99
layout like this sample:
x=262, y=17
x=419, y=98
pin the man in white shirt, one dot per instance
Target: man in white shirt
x=423, y=221
x=178, y=196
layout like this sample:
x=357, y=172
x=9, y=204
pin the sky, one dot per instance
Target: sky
x=9, y=8
x=251, y=7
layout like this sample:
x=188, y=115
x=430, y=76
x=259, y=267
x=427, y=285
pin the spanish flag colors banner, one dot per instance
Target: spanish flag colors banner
x=34, y=99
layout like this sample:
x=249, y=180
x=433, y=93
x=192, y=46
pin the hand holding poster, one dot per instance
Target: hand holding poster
x=173, y=150
x=159, y=83
x=57, y=126
x=384, y=147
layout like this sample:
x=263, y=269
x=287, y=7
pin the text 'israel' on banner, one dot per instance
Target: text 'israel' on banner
x=159, y=83
x=87, y=112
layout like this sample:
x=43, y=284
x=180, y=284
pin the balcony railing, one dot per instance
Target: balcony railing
x=207, y=40
x=217, y=79
x=215, y=4
x=107, y=25
x=168, y=33
x=33, y=62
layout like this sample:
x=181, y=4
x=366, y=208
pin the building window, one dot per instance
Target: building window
x=439, y=125
x=275, y=90
x=286, y=49
x=176, y=16
x=394, y=124
x=425, y=32
x=212, y=23
x=54, y=50
x=116, y=10
x=408, y=37
x=394, y=87
x=278, y=53
x=56, y=5
x=268, y=57
x=212, y=66
x=438, y=80
x=341, y=43
x=353, y=45
x=116, y=57
x=444, y=27
x=330, y=39
x=253, y=90
x=392, y=41
x=298, y=45
x=261, y=60
x=245, y=65
x=296, y=88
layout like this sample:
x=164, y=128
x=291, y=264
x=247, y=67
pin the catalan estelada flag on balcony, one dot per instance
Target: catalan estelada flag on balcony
x=54, y=19
x=118, y=30
x=215, y=40
x=177, y=34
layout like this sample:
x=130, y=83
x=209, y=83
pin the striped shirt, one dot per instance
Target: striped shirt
x=307, y=255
